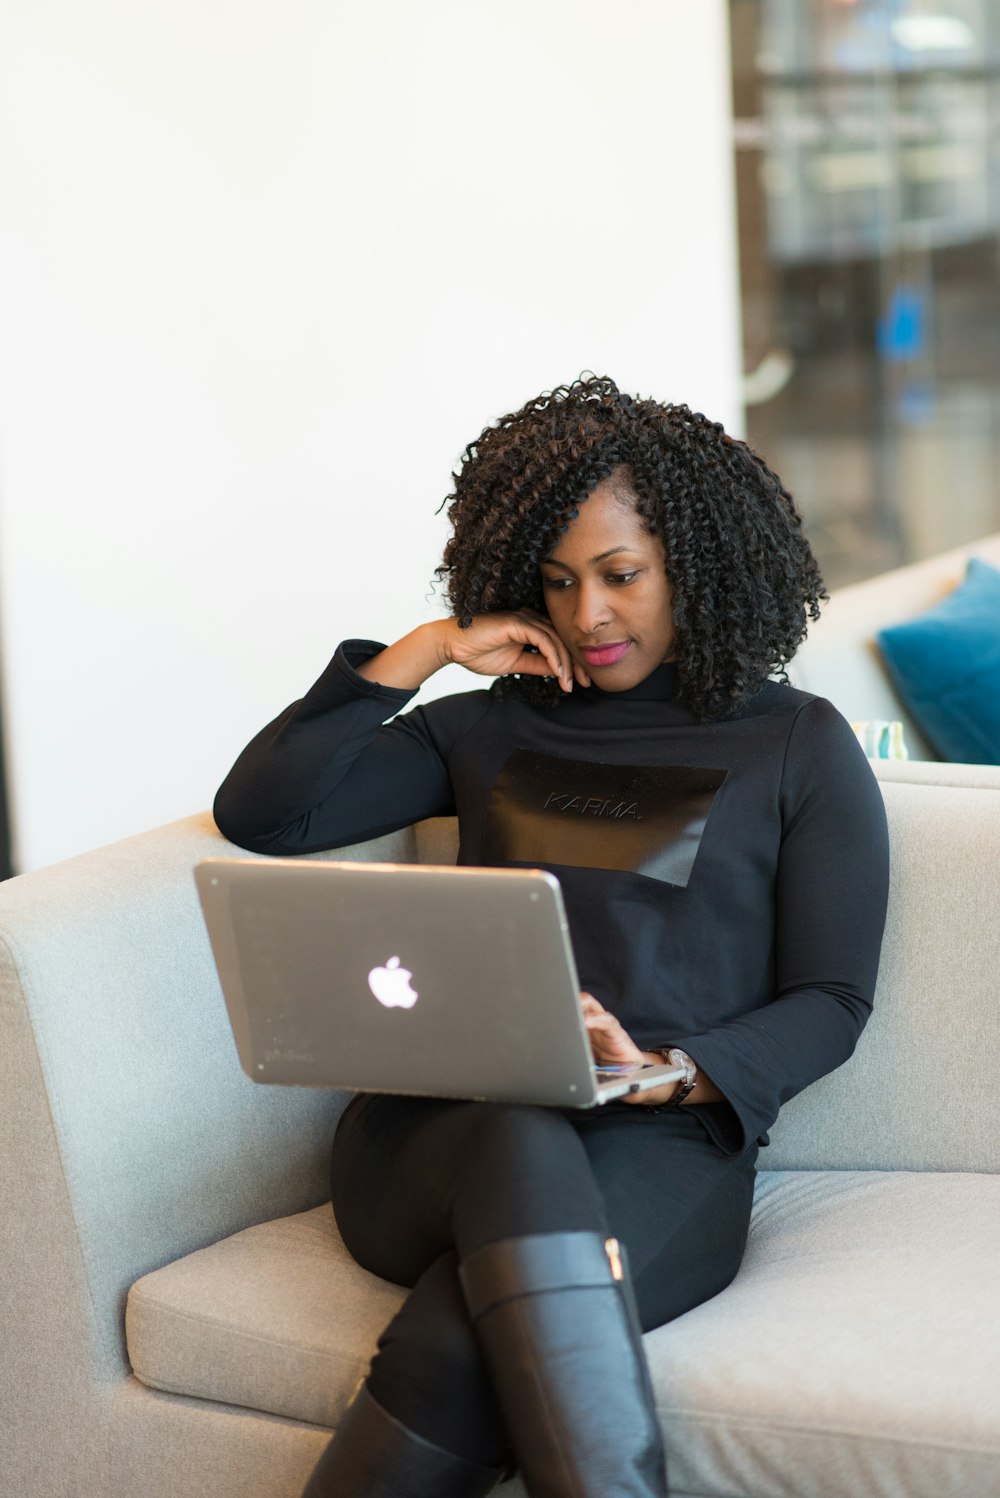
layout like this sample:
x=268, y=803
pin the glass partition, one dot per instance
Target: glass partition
x=867, y=137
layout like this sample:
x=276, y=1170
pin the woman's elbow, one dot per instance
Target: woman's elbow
x=236, y=827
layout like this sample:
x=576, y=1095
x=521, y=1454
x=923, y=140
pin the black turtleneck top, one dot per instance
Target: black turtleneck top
x=725, y=883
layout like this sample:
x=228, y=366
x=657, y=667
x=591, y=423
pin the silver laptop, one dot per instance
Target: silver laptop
x=439, y=982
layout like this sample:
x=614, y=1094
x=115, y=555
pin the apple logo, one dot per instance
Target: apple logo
x=391, y=985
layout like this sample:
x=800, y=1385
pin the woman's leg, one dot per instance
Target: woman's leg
x=413, y=1179
x=427, y=1366
x=680, y=1205
x=562, y=1339
x=429, y=1371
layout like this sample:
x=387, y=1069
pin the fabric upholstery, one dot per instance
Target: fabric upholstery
x=162, y=1446
x=278, y=1318
x=129, y=1024
x=887, y=1107
x=934, y=772
x=437, y=840
x=52, y=1343
x=829, y=1337
x=854, y=1354
x=128, y=1134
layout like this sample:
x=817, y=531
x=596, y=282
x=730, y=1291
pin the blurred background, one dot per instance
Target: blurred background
x=867, y=147
x=266, y=269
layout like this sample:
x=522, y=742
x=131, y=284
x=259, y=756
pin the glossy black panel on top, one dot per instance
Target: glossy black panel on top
x=642, y=819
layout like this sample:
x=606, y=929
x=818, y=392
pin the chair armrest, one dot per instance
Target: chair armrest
x=131, y=1136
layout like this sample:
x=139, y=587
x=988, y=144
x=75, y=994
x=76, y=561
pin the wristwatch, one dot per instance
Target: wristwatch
x=674, y=1056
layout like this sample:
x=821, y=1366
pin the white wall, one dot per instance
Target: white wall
x=266, y=269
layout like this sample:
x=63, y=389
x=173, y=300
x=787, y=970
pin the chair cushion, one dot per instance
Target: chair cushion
x=946, y=666
x=854, y=1353
x=277, y=1318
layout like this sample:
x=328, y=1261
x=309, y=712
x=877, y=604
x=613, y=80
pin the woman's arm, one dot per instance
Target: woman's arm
x=493, y=645
x=613, y=1046
x=326, y=773
x=830, y=894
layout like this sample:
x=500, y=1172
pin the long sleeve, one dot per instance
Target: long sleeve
x=326, y=772
x=760, y=962
x=830, y=902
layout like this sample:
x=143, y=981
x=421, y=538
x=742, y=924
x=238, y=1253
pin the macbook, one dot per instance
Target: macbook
x=433, y=981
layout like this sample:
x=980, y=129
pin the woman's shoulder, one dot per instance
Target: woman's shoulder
x=779, y=699
x=815, y=734
x=813, y=714
x=824, y=763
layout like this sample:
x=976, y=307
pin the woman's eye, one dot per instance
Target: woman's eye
x=555, y=582
x=621, y=578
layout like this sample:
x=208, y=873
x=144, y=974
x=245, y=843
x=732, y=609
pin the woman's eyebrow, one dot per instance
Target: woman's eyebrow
x=602, y=556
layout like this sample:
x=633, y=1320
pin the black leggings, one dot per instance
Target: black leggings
x=419, y=1184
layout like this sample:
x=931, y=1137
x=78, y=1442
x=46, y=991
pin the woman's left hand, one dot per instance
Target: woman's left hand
x=612, y=1045
x=610, y=1042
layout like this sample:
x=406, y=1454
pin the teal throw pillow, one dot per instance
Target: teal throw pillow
x=946, y=667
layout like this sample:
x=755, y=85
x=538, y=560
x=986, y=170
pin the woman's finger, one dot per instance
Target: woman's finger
x=551, y=651
x=564, y=669
x=555, y=666
x=605, y=1024
x=609, y=1040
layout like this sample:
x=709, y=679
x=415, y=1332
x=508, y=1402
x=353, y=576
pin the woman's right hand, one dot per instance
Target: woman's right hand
x=522, y=642
x=493, y=645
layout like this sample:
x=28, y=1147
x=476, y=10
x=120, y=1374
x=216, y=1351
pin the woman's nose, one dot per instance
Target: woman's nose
x=592, y=608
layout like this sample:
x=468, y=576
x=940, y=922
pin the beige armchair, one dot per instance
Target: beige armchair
x=180, y=1319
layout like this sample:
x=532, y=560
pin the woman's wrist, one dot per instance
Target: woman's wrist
x=703, y=1091
x=411, y=660
x=655, y=1097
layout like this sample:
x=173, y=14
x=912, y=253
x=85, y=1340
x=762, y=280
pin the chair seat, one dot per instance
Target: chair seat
x=856, y=1353
x=277, y=1318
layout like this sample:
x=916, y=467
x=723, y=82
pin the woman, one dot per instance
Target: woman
x=633, y=577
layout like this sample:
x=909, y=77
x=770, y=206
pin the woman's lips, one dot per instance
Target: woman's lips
x=604, y=655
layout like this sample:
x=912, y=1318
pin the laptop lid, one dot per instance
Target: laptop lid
x=448, y=982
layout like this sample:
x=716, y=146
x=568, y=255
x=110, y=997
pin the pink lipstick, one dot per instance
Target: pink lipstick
x=604, y=655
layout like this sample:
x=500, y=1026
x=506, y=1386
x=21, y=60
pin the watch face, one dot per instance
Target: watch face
x=677, y=1057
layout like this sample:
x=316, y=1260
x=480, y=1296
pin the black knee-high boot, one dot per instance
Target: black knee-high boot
x=556, y=1321
x=372, y=1455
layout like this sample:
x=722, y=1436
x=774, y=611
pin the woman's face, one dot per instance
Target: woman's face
x=607, y=593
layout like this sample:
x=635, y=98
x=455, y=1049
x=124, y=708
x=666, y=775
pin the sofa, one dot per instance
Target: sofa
x=840, y=658
x=181, y=1320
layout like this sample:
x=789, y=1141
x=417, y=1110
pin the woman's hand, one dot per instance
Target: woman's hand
x=493, y=645
x=610, y=1042
x=612, y=1045
x=501, y=644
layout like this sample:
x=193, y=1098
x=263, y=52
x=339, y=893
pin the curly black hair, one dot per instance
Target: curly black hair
x=743, y=576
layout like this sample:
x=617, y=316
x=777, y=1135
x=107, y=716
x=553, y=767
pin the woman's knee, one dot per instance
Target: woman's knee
x=510, y=1134
x=524, y=1171
x=702, y=1257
